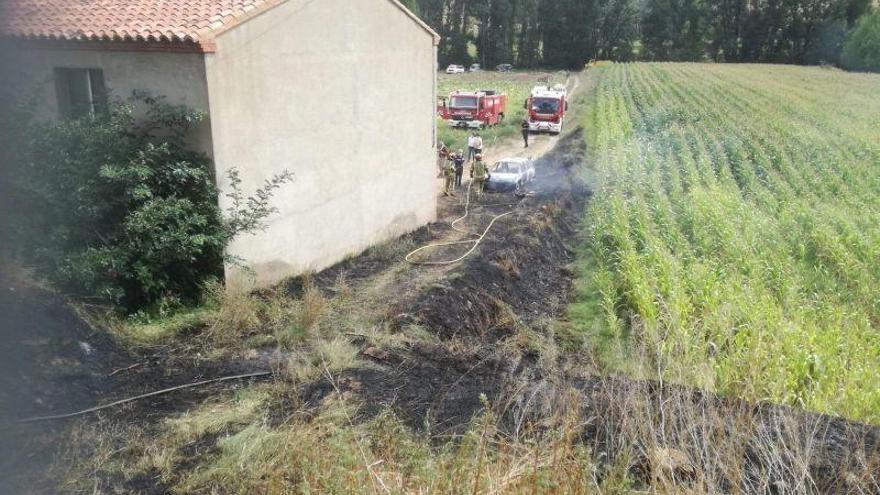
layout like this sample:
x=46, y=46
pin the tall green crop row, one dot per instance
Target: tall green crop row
x=734, y=235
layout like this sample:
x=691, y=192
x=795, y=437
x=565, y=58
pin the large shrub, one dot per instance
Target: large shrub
x=116, y=207
x=861, y=50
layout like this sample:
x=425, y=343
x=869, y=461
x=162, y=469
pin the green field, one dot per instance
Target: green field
x=734, y=236
x=517, y=86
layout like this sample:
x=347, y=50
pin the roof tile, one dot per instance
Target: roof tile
x=179, y=20
x=187, y=21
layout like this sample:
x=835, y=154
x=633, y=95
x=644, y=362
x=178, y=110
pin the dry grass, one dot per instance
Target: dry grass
x=236, y=313
x=554, y=431
x=229, y=320
x=612, y=437
x=323, y=356
x=312, y=307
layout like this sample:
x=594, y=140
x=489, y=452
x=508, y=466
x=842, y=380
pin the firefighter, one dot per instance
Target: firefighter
x=442, y=156
x=525, y=132
x=458, y=160
x=480, y=174
x=449, y=173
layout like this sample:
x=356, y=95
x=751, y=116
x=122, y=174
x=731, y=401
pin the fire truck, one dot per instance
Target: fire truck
x=547, y=107
x=473, y=109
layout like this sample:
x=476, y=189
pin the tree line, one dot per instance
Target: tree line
x=566, y=33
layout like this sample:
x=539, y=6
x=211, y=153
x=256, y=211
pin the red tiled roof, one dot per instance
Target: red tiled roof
x=175, y=21
x=125, y=20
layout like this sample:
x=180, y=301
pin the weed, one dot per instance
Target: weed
x=312, y=307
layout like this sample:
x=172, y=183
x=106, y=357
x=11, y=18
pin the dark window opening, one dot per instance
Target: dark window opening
x=80, y=92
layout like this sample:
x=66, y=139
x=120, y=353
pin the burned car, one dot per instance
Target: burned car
x=510, y=174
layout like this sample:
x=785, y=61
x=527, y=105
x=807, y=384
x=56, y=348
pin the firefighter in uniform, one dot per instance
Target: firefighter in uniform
x=442, y=156
x=480, y=173
x=449, y=173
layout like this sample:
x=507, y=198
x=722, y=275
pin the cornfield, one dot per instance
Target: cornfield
x=735, y=231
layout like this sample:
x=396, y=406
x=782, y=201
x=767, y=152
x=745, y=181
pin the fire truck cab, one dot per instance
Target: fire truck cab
x=547, y=107
x=473, y=109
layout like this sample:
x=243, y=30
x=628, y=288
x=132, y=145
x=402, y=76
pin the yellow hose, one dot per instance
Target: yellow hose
x=476, y=242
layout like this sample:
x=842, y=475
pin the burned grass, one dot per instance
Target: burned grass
x=522, y=264
x=53, y=362
x=670, y=437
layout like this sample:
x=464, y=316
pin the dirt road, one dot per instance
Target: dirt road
x=452, y=208
x=539, y=144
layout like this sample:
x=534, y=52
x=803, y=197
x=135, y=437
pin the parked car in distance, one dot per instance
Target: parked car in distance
x=504, y=68
x=455, y=69
x=475, y=68
x=510, y=174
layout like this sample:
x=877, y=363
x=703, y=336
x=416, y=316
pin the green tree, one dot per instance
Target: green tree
x=855, y=9
x=861, y=50
x=615, y=30
x=728, y=18
x=826, y=46
x=675, y=29
x=412, y=5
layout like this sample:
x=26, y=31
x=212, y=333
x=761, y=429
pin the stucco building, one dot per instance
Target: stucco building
x=339, y=92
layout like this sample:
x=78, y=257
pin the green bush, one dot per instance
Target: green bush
x=120, y=210
x=861, y=50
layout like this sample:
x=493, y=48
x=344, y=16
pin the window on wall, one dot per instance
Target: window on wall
x=80, y=91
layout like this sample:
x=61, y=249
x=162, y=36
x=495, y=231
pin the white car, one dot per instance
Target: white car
x=455, y=69
x=511, y=174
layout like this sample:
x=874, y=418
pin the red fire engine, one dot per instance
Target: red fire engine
x=547, y=107
x=473, y=109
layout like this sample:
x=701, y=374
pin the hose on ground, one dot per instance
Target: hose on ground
x=144, y=396
x=476, y=242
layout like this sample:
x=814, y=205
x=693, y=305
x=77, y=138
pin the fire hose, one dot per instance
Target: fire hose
x=201, y=383
x=476, y=242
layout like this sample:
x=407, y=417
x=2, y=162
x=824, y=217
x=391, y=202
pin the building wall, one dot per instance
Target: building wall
x=341, y=93
x=180, y=77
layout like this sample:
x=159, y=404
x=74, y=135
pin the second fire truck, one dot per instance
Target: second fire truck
x=473, y=109
x=547, y=107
